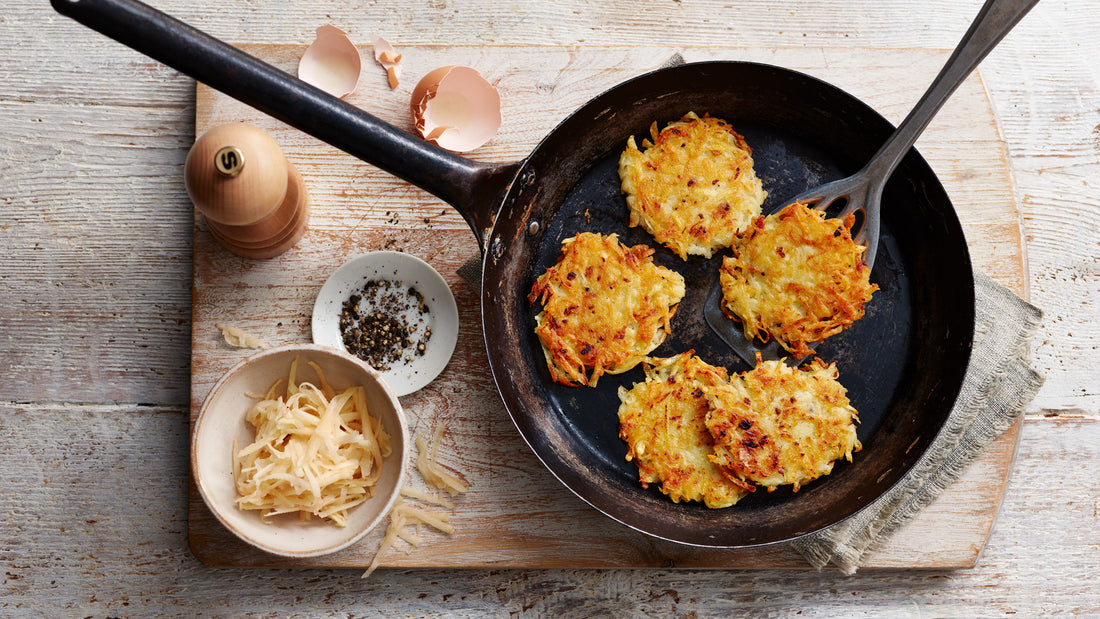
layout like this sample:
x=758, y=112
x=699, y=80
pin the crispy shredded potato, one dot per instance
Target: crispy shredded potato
x=797, y=277
x=316, y=452
x=605, y=307
x=707, y=437
x=693, y=187
x=777, y=425
x=663, y=421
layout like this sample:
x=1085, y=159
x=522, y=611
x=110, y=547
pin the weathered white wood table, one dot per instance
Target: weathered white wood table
x=96, y=311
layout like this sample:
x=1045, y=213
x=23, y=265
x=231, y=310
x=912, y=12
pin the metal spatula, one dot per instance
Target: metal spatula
x=861, y=192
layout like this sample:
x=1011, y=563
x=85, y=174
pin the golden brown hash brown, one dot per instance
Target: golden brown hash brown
x=797, y=277
x=776, y=425
x=693, y=187
x=605, y=307
x=663, y=421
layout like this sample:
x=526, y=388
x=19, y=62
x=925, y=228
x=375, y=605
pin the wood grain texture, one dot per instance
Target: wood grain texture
x=104, y=102
x=72, y=548
x=517, y=515
x=95, y=318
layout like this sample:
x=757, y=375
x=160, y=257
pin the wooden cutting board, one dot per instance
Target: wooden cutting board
x=516, y=514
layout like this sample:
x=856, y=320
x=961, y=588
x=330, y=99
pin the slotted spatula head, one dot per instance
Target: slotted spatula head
x=861, y=193
x=730, y=332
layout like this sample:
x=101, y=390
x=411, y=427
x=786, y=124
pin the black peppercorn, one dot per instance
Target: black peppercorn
x=381, y=323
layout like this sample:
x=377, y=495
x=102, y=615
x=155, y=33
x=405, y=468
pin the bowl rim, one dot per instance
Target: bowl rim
x=352, y=274
x=400, y=424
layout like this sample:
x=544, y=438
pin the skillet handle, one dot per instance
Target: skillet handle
x=473, y=188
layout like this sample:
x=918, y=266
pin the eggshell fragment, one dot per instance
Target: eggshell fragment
x=332, y=63
x=456, y=108
x=387, y=56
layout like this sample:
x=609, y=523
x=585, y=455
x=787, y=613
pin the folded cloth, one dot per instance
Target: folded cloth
x=999, y=383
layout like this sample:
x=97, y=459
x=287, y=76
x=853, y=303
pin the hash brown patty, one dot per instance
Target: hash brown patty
x=797, y=277
x=693, y=186
x=663, y=421
x=605, y=307
x=776, y=425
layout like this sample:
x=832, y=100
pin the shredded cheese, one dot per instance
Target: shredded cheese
x=316, y=452
x=237, y=337
x=403, y=515
x=427, y=497
x=427, y=461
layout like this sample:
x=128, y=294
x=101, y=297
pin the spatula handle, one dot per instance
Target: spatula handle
x=995, y=19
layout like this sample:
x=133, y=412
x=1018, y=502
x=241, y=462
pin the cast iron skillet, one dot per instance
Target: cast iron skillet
x=903, y=363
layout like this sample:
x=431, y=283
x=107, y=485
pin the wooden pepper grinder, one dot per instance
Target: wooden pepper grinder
x=252, y=198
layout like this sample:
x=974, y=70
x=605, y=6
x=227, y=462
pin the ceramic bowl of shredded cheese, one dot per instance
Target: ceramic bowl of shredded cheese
x=300, y=450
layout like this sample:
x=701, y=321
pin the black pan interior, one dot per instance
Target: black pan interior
x=902, y=364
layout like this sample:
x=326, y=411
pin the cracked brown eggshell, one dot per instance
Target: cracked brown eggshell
x=456, y=108
x=387, y=56
x=331, y=63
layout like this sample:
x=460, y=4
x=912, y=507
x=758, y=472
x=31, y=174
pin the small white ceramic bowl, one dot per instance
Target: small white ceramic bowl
x=222, y=418
x=395, y=266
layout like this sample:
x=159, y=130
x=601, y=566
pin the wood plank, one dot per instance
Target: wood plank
x=96, y=255
x=516, y=514
x=118, y=546
x=94, y=320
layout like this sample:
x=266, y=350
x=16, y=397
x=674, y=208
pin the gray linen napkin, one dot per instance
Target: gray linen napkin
x=999, y=383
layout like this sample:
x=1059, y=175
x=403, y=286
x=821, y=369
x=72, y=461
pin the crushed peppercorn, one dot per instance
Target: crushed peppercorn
x=385, y=322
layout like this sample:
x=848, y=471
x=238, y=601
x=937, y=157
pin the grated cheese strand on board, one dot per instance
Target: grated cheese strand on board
x=427, y=497
x=403, y=515
x=238, y=338
x=427, y=461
